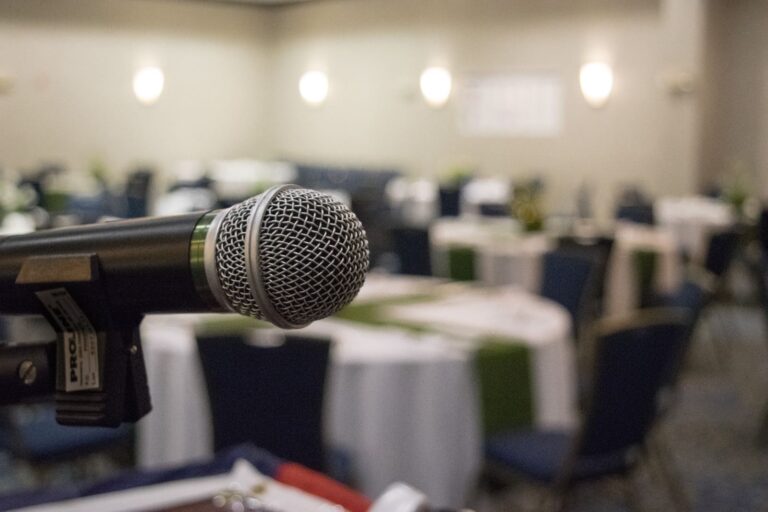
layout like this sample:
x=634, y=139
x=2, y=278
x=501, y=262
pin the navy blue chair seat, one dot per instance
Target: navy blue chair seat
x=47, y=442
x=539, y=454
x=33, y=435
x=637, y=213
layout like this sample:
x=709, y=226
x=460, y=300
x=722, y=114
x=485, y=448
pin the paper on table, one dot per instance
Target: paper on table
x=154, y=497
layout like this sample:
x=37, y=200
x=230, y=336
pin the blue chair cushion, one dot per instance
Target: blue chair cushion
x=42, y=439
x=540, y=455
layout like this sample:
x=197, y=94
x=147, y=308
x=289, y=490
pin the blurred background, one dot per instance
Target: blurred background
x=541, y=181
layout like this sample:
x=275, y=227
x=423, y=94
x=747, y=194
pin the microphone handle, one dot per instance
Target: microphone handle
x=145, y=263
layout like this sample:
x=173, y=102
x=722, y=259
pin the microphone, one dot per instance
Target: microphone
x=288, y=256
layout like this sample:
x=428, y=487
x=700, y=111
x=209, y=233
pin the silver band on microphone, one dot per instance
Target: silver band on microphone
x=253, y=257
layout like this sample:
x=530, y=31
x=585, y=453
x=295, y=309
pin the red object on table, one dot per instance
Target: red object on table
x=319, y=485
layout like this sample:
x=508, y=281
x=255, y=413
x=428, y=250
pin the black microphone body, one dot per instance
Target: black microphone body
x=288, y=256
x=145, y=263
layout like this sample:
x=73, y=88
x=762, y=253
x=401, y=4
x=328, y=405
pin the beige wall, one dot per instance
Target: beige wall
x=374, y=50
x=72, y=62
x=736, y=110
x=232, y=72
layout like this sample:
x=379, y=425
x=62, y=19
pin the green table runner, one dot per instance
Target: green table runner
x=644, y=266
x=461, y=263
x=504, y=377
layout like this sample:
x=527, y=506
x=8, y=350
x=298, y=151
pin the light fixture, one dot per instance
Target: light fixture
x=148, y=84
x=596, y=80
x=436, y=86
x=313, y=87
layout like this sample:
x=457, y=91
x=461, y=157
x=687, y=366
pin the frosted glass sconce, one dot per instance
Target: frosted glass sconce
x=313, y=87
x=148, y=84
x=596, y=80
x=436, y=84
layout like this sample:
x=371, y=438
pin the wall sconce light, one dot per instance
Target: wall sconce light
x=596, y=80
x=436, y=84
x=313, y=87
x=148, y=84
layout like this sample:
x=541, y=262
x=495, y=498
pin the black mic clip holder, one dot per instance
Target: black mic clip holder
x=100, y=375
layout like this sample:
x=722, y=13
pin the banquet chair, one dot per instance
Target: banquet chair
x=691, y=298
x=720, y=255
x=270, y=395
x=568, y=279
x=762, y=229
x=31, y=435
x=637, y=213
x=761, y=279
x=631, y=360
x=137, y=193
x=411, y=245
x=597, y=248
x=721, y=252
x=450, y=199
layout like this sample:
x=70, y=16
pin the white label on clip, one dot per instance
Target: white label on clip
x=81, y=347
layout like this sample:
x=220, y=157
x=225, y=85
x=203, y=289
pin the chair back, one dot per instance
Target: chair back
x=269, y=395
x=29, y=432
x=637, y=213
x=411, y=245
x=597, y=249
x=762, y=230
x=690, y=297
x=632, y=362
x=568, y=279
x=721, y=252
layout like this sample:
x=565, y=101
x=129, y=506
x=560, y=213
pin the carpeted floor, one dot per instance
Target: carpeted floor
x=713, y=431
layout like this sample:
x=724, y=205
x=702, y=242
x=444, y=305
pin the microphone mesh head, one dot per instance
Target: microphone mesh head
x=312, y=256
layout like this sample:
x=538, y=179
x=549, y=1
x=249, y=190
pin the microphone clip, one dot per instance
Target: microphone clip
x=101, y=379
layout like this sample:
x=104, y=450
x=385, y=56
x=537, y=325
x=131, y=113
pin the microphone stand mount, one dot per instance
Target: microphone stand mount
x=100, y=378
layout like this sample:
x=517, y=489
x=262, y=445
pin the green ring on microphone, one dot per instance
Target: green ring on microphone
x=197, y=259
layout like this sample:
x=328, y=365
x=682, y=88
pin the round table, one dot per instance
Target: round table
x=402, y=405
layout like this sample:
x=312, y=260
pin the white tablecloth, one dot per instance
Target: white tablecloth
x=402, y=405
x=503, y=254
x=693, y=220
x=621, y=287
x=514, y=261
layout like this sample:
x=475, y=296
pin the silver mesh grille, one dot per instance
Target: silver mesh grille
x=313, y=255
